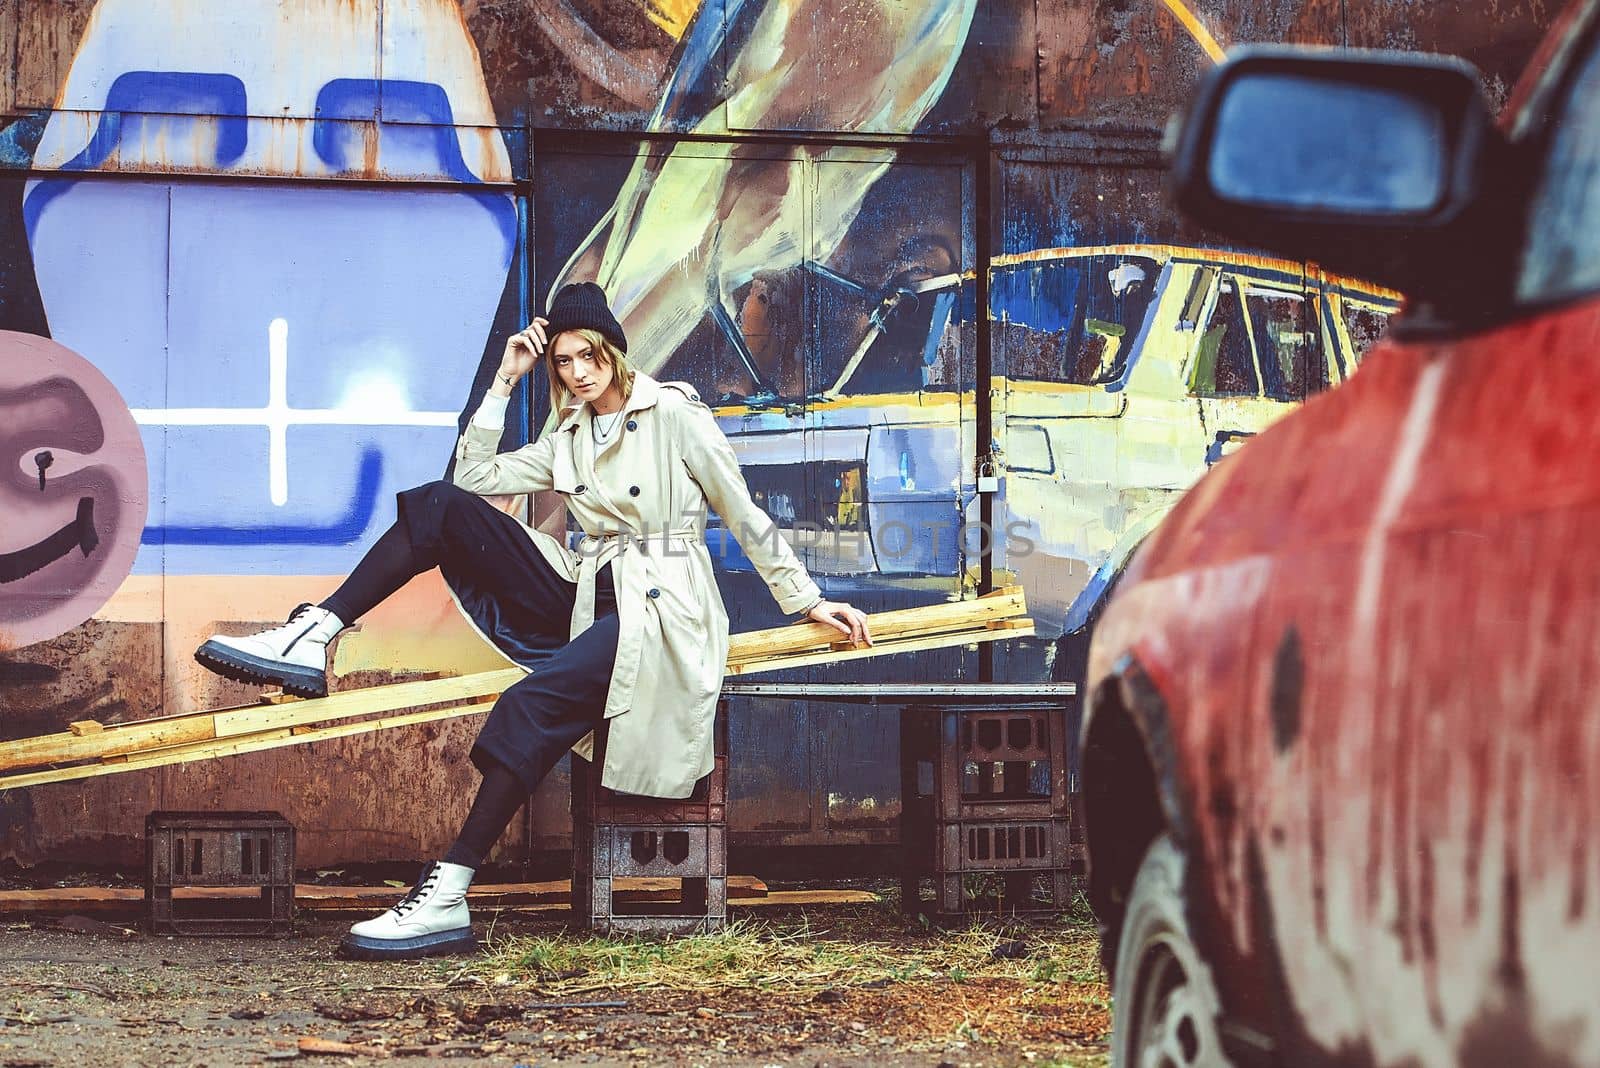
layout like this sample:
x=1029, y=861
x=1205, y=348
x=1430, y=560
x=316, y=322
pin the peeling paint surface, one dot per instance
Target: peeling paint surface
x=294, y=237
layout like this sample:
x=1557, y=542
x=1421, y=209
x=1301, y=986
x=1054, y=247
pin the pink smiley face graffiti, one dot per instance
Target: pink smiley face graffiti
x=73, y=489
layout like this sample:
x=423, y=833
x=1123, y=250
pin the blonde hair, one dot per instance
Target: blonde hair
x=604, y=350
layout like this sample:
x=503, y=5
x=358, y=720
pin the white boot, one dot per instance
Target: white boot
x=431, y=920
x=294, y=656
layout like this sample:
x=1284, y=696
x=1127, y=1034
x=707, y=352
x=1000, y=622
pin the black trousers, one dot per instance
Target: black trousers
x=487, y=556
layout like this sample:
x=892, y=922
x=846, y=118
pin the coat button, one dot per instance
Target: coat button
x=633, y=491
x=654, y=592
x=633, y=424
x=581, y=488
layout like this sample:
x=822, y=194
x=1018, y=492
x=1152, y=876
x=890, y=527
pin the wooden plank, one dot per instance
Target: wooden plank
x=903, y=622
x=234, y=746
x=1020, y=628
x=225, y=732
x=117, y=739
x=907, y=622
x=144, y=735
x=507, y=895
x=793, y=898
x=366, y=702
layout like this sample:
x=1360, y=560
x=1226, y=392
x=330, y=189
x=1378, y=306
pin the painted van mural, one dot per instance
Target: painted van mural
x=280, y=240
x=1129, y=370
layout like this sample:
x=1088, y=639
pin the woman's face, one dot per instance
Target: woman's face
x=585, y=372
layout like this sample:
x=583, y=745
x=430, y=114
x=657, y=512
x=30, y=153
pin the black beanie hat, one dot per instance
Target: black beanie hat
x=582, y=306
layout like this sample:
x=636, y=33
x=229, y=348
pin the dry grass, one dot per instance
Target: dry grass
x=794, y=957
x=1038, y=987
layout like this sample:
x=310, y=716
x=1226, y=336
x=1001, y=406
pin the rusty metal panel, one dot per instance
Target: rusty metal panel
x=1110, y=61
x=1052, y=203
x=1133, y=64
x=8, y=56
x=268, y=90
x=48, y=32
x=1497, y=38
x=105, y=671
x=396, y=795
x=869, y=66
x=580, y=64
x=996, y=78
x=266, y=60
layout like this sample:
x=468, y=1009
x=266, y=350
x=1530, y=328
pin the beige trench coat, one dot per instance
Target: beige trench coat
x=641, y=502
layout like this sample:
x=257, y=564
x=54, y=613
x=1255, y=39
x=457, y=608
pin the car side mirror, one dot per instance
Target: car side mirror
x=1373, y=164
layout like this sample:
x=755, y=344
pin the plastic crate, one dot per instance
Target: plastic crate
x=983, y=762
x=242, y=851
x=696, y=855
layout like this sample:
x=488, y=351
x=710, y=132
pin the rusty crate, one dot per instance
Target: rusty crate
x=1022, y=853
x=623, y=836
x=985, y=792
x=240, y=851
x=987, y=762
x=696, y=855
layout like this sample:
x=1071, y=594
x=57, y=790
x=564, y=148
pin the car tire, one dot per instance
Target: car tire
x=1166, y=1012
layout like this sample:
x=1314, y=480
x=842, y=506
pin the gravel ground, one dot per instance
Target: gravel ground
x=89, y=993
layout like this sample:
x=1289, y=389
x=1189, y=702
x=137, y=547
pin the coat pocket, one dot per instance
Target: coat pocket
x=564, y=470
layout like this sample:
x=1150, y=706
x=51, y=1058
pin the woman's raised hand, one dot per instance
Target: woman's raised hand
x=523, y=350
x=848, y=620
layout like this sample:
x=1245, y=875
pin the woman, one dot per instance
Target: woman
x=626, y=630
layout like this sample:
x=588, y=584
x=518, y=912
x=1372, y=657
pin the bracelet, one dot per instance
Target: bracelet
x=810, y=608
x=510, y=382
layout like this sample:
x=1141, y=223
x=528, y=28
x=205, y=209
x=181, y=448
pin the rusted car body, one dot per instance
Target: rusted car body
x=1346, y=692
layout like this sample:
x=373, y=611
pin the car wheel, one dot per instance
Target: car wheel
x=1165, y=1005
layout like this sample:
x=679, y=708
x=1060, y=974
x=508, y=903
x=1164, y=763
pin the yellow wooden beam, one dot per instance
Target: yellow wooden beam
x=227, y=732
x=1011, y=629
x=267, y=739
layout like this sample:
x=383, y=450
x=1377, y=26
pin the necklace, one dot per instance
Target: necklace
x=605, y=425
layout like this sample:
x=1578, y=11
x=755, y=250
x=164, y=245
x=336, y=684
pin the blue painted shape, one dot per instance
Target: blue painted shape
x=967, y=310
x=695, y=86
x=917, y=536
x=726, y=553
x=20, y=140
x=342, y=531
x=1214, y=450
x=1136, y=346
x=171, y=290
x=417, y=120
x=1089, y=598
x=1040, y=296
x=943, y=304
x=138, y=97
x=1330, y=330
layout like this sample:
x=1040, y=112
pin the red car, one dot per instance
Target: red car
x=1341, y=762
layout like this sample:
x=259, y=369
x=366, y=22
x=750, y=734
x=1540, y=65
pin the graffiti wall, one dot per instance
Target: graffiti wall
x=258, y=259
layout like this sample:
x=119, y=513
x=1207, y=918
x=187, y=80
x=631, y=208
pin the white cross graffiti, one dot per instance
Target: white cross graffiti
x=386, y=408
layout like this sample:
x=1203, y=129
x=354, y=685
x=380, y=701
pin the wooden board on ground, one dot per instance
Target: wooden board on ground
x=128, y=900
